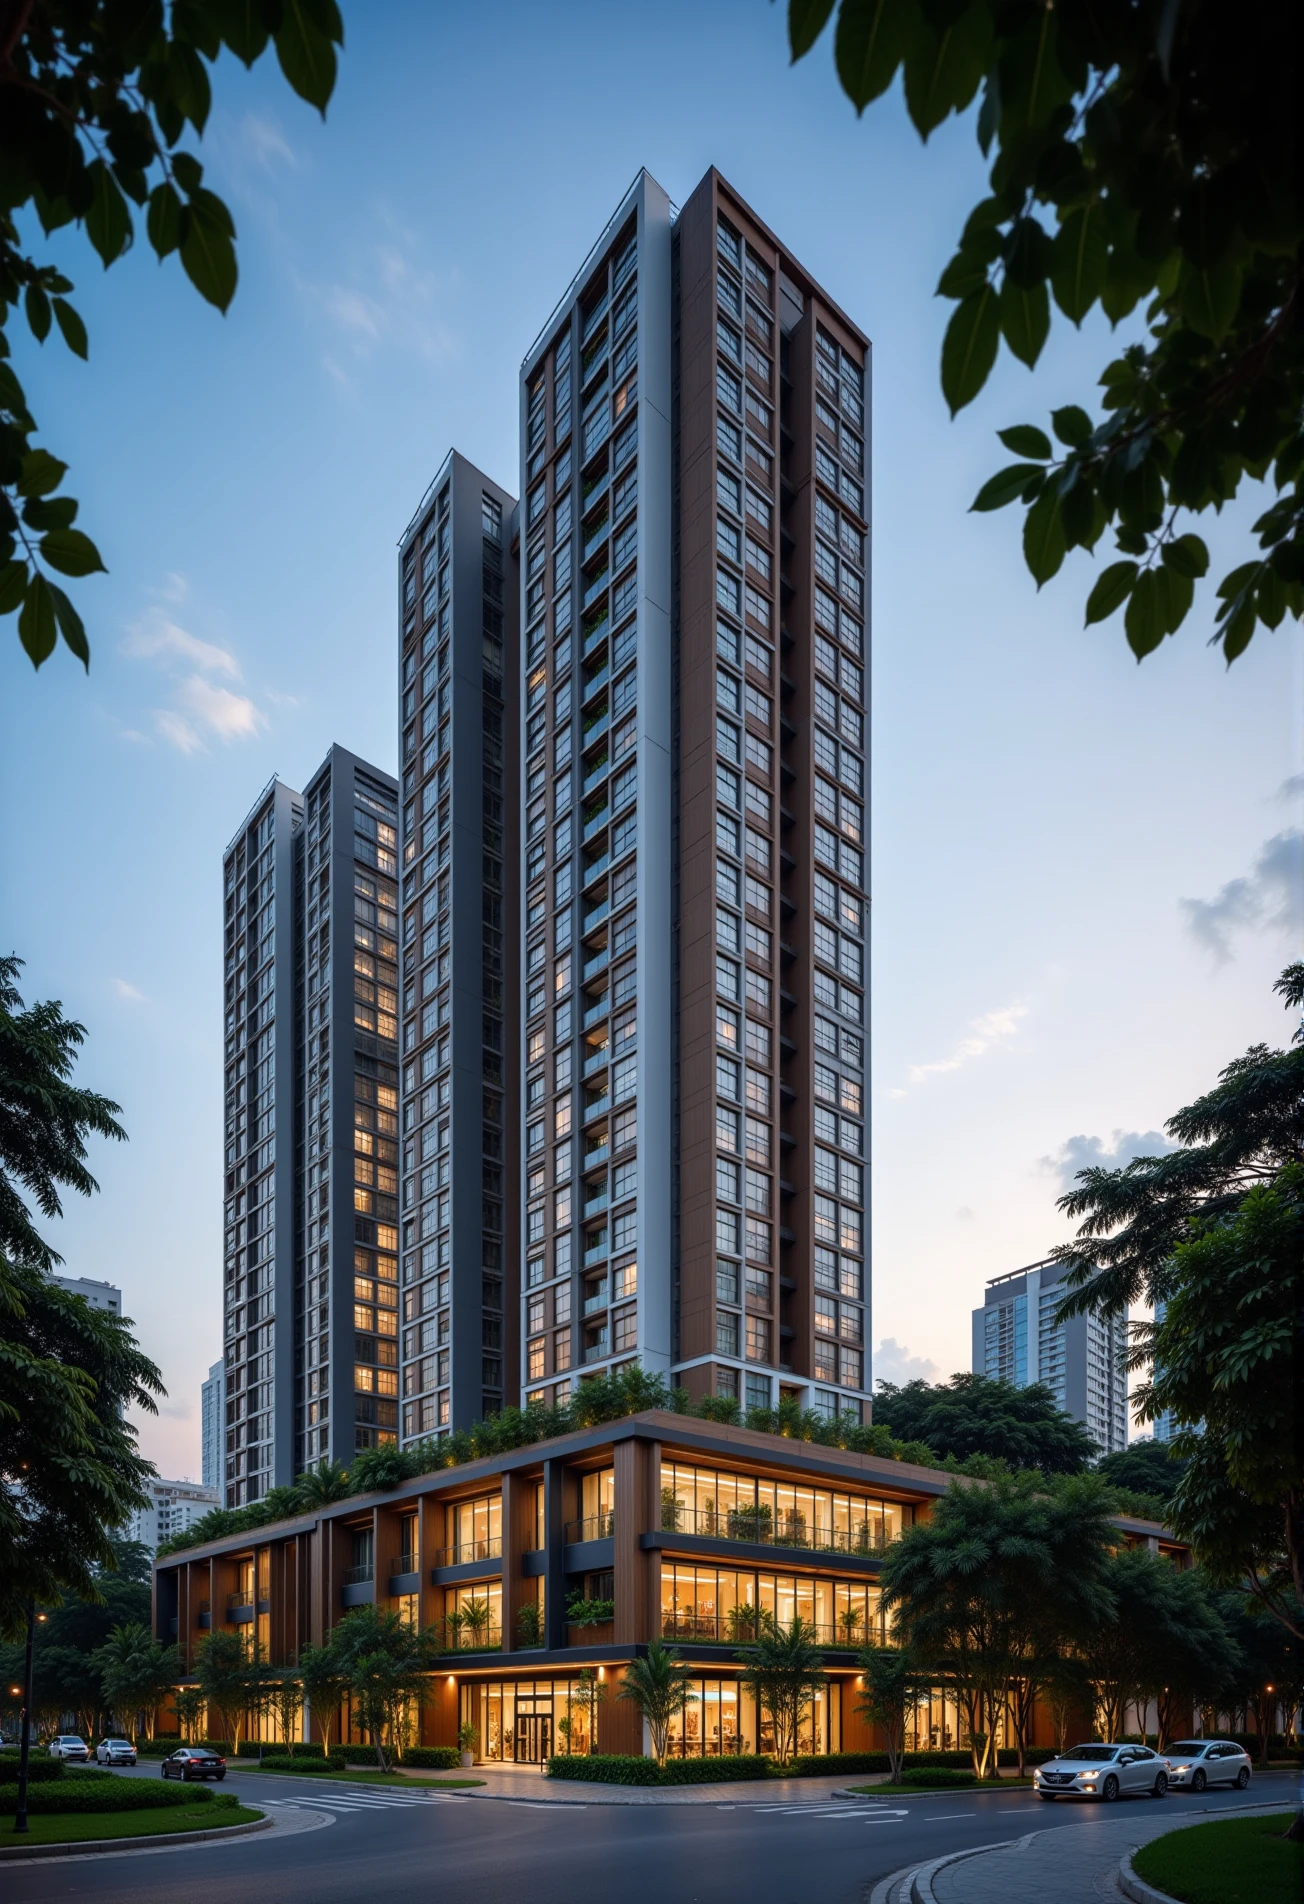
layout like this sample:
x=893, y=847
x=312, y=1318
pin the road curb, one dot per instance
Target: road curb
x=159, y=1840
x=1136, y=1888
x=921, y=1878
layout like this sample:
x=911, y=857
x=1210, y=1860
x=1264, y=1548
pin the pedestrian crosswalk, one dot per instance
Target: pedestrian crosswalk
x=836, y=1808
x=357, y=1798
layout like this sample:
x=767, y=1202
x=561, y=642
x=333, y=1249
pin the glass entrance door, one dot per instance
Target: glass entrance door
x=533, y=1737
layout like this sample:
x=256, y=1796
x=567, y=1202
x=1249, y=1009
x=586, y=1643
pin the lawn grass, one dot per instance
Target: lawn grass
x=79, y=1827
x=363, y=1777
x=1228, y=1861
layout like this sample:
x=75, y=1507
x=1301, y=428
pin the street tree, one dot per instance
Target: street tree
x=1143, y=162
x=238, y=1684
x=783, y=1671
x=987, y=1588
x=70, y=1469
x=100, y=105
x=387, y=1666
x=137, y=1674
x=287, y=1703
x=892, y=1684
x=974, y=1415
x=1146, y=1467
x=661, y=1687
x=325, y=1682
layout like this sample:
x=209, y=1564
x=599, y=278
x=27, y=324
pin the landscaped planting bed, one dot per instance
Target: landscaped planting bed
x=86, y=1827
x=610, y=1769
x=102, y=1792
x=1228, y=1861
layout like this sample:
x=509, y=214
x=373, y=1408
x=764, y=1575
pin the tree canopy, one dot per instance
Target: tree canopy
x=1146, y=1467
x=1239, y=1134
x=70, y=1470
x=1143, y=160
x=973, y=1415
x=98, y=103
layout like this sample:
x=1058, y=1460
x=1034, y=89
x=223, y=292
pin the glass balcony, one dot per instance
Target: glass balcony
x=597, y=1351
x=596, y=1013
x=595, y=918
x=760, y=1526
x=597, y=1106
x=404, y=1563
x=595, y=871
x=484, y=1639
x=598, y=1300
x=355, y=1576
x=468, y=1550
x=598, y=1062
x=598, y=1155
x=595, y=825
x=743, y=1624
x=595, y=634
x=598, y=963
x=594, y=1527
x=597, y=1252
x=236, y=1601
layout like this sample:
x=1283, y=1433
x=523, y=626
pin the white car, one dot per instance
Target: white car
x=1103, y=1771
x=1195, y=1763
x=68, y=1746
x=115, y=1752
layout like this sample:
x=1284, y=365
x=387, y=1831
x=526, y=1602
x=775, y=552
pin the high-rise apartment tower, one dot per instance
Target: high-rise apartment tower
x=1016, y=1339
x=458, y=689
x=694, y=859
x=311, y=1132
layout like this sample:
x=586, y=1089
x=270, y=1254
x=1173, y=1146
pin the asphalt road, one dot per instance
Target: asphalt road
x=411, y=1848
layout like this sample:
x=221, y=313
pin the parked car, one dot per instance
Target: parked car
x=1195, y=1763
x=1103, y=1771
x=68, y=1746
x=115, y=1752
x=194, y=1762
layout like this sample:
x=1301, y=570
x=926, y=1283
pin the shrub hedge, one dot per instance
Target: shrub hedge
x=39, y=1770
x=164, y=1748
x=104, y=1792
x=611, y=1769
x=282, y=1762
x=937, y=1776
x=434, y=1758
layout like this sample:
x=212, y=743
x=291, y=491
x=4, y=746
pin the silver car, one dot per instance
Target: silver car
x=1103, y=1771
x=115, y=1752
x=1195, y=1763
x=68, y=1746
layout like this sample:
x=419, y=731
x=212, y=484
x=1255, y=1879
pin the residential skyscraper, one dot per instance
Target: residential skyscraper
x=1016, y=1339
x=99, y=1295
x=311, y=1162
x=173, y=1506
x=212, y=1412
x=458, y=688
x=694, y=782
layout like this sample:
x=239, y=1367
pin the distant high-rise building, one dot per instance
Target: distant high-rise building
x=213, y=1423
x=1016, y=1339
x=459, y=683
x=311, y=1159
x=693, y=765
x=173, y=1506
x=98, y=1295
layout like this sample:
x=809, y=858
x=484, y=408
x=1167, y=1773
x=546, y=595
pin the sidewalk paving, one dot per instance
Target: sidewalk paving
x=519, y=1782
x=1054, y=1866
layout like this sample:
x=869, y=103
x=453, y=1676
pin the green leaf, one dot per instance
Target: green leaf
x=306, y=54
x=1005, y=485
x=1025, y=319
x=1080, y=256
x=1043, y=537
x=41, y=473
x=1237, y=631
x=13, y=585
x=190, y=87
x=241, y=24
x=1144, y=620
x=36, y=628
x=207, y=253
x=969, y=347
x=164, y=219
x=1209, y=296
x=966, y=273
x=1077, y=508
x=989, y=113
x=1071, y=425
x=1025, y=439
x=1110, y=592
x=944, y=67
x=70, y=626
x=187, y=171
x=1174, y=594
x=71, y=552
x=71, y=327
x=51, y=512
x=108, y=222
x=807, y=19
x=1186, y=555
x=38, y=312
x=869, y=45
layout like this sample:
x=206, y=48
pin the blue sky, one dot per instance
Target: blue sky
x=1085, y=874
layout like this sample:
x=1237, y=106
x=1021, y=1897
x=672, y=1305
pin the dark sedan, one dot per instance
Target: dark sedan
x=192, y=1762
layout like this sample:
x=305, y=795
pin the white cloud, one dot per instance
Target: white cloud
x=128, y=992
x=1086, y=1153
x=984, y=1034
x=893, y=1362
x=265, y=143
x=1270, y=897
x=228, y=716
x=389, y=298
x=155, y=636
x=177, y=731
x=352, y=310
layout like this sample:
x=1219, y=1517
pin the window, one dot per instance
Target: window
x=758, y=1339
x=728, y=439
x=726, y=1128
x=726, y=1325
x=758, y=363
x=728, y=389
x=729, y=340
x=757, y=558
x=728, y=540
x=728, y=488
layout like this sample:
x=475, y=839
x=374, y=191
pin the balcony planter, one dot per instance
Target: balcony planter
x=600, y=1633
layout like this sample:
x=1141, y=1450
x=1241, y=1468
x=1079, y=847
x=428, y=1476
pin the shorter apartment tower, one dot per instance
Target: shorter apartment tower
x=212, y=1414
x=543, y=1572
x=459, y=692
x=310, y=1364
x=99, y=1295
x=1017, y=1339
x=173, y=1507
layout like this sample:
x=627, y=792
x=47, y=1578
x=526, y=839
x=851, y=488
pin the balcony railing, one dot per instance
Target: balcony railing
x=403, y=1564
x=234, y=1601
x=205, y=1606
x=742, y=1625
x=761, y=1527
x=593, y=1527
x=359, y=1575
x=486, y=1639
x=468, y=1550
x=597, y=1351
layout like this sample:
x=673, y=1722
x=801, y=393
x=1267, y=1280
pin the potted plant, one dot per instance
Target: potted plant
x=529, y=1624
x=467, y=1738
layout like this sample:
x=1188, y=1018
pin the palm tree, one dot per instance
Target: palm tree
x=783, y=1671
x=136, y=1673
x=660, y=1686
x=323, y=1485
